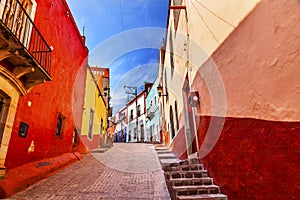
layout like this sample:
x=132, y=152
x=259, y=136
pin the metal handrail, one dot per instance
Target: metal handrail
x=18, y=21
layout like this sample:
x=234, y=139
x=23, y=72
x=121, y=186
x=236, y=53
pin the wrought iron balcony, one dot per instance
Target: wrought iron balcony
x=151, y=111
x=22, y=46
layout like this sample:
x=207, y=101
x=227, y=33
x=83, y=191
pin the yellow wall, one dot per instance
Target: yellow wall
x=93, y=100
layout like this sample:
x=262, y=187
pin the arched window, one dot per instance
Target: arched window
x=172, y=122
x=176, y=115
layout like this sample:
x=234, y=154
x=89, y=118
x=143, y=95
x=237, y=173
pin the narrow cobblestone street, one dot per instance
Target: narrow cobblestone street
x=126, y=171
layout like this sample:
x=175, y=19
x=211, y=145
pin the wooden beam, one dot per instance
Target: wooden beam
x=177, y=7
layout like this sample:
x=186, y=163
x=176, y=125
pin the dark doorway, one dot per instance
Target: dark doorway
x=189, y=120
x=4, y=107
x=172, y=122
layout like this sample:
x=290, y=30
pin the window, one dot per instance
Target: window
x=172, y=122
x=138, y=110
x=91, y=122
x=60, y=125
x=75, y=137
x=135, y=133
x=15, y=16
x=131, y=114
x=101, y=126
x=176, y=115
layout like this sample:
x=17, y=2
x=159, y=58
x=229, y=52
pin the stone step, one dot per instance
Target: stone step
x=166, y=162
x=186, y=174
x=190, y=181
x=161, y=148
x=176, y=164
x=163, y=151
x=167, y=156
x=202, y=197
x=186, y=167
x=195, y=190
x=194, y=161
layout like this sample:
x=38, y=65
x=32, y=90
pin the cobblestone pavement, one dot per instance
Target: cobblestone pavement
x=126, y=171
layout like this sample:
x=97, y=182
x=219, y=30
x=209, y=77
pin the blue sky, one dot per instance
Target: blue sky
x=122, y=35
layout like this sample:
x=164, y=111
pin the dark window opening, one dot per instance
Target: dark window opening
x=131, y=114
x=91, y=124
x=172, y=122
x=176, y=115
x=75, y=137
x=60, y=125
x=139, y=110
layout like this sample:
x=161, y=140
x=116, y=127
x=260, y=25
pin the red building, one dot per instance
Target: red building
x=51, y=113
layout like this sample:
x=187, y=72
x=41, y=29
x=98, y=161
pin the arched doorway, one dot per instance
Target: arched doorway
x=172, y=122
x=190, y=131
x=4, y=107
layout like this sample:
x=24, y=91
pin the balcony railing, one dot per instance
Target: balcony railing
x=151, y=111
x=19, y=23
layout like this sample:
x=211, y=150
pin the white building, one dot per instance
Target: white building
x=121, y=125
x=136, y=117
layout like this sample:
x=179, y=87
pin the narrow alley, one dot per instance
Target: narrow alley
x=127, y=171
x=152, y=99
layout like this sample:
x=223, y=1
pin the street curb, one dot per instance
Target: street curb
x=22, y=177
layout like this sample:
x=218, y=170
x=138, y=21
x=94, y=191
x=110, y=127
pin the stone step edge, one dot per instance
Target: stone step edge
x=185, y=180
x=202, y=197
x=195, y=187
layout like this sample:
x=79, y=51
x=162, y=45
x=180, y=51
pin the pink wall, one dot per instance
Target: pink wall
x=68, y=75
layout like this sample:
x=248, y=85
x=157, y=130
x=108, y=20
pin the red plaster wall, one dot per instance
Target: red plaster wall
x=178, y=144
x=255, y=159
x=68, y=74
x=91, y=144
x=258, y=153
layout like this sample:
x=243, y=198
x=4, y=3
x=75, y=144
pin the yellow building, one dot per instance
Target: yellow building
x=95, y=115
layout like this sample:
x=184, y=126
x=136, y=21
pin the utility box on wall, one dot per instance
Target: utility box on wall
x=193, y=99
x=23, y=129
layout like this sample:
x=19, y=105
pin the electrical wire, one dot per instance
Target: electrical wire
x=122, y=20
x=225, y=21
x=212, y=33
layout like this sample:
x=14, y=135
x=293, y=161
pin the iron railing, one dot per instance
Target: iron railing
x=151, y=110
x=18, y=21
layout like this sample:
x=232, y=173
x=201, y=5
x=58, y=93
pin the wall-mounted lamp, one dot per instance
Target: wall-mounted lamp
x=68, y=13
x=194, y=99
x=106, y=89
x=159, y=90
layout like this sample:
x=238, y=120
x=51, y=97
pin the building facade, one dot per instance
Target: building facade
x=21, y=68
x=94, y=117
x=121, y=125
x=153, y=114
x=48, y=116
x=229, y=70
x=102, y=78
x=136, y=118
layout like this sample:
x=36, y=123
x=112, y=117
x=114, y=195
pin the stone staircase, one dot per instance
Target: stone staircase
x=188, y=179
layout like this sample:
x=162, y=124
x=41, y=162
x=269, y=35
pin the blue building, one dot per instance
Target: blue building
x=153, y=114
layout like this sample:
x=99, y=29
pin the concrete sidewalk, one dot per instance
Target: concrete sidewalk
x=126, y=171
